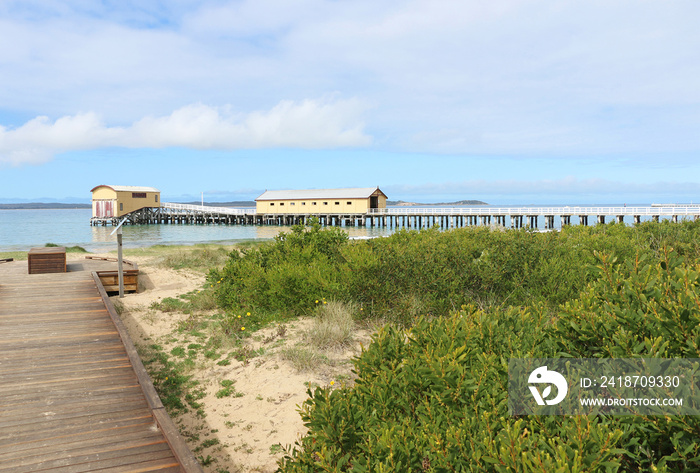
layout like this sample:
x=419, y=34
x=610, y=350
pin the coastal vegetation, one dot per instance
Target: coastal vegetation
x=430, y=392
x=431, y=389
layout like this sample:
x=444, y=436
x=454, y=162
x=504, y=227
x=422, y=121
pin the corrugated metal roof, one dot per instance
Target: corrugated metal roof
x=348, y=193
x=128, y=188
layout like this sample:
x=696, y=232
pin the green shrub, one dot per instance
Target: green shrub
x=434, y=398
x=428, y=271
x=285, y=275
x=642, y=307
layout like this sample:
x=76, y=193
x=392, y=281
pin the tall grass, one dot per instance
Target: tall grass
x=196, y=258
x=333, y=326
x=303, y=358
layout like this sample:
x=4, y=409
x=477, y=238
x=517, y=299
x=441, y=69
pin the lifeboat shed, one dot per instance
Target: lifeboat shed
x=116, y=201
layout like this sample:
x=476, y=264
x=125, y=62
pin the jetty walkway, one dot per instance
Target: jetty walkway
x=74, y=396
x=413, y=217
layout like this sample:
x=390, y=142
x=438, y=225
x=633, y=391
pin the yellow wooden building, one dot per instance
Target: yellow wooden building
x=321, y=201
x=115, y=201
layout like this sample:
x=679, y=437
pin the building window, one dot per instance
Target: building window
x=314, y=203
x=138, y=195
x=293, y=203
x=349, y=203
x=281, y=203
x=156, y=196
x=303, y=203
x=325, y=203
x=121, y=206
x=272, y=203
x=337, y=203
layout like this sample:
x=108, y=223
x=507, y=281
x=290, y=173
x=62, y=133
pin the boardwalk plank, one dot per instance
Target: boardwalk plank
x=31, y=451
x=96, y=457
x=34, y=412
x=50, y=428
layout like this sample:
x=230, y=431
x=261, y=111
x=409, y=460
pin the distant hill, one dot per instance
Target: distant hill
x=401, y=203
x=44, y=205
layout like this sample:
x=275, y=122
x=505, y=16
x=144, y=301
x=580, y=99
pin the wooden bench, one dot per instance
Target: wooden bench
x=47, y=260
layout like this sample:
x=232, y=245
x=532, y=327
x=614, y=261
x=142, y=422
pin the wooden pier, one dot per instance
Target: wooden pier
x=412, y=217
x=74, y=396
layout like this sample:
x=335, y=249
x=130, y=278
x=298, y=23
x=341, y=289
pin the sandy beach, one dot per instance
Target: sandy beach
x=247, y=431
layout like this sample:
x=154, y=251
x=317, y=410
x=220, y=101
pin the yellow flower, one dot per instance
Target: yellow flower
x=332, y=383
x=247, y=313
x=242, y=328
x=316, y=301
x=239, y=316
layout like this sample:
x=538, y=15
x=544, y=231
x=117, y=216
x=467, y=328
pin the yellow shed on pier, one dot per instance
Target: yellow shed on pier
x=115, y=201
x=321, y=201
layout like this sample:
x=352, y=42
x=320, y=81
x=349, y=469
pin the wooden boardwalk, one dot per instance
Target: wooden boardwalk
x=74, y=396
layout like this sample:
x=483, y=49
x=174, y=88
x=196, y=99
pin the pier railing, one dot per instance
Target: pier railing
x=207, y=209
x=528, y=211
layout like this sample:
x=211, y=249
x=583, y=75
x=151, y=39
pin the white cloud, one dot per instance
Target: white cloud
x=307, y=124
x=513, y=76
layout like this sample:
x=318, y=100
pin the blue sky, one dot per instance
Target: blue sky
x=526, y=101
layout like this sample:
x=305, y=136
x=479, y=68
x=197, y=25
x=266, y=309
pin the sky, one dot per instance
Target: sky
x=507, y=101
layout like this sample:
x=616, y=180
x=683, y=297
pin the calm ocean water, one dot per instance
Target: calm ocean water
x=22, y=229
